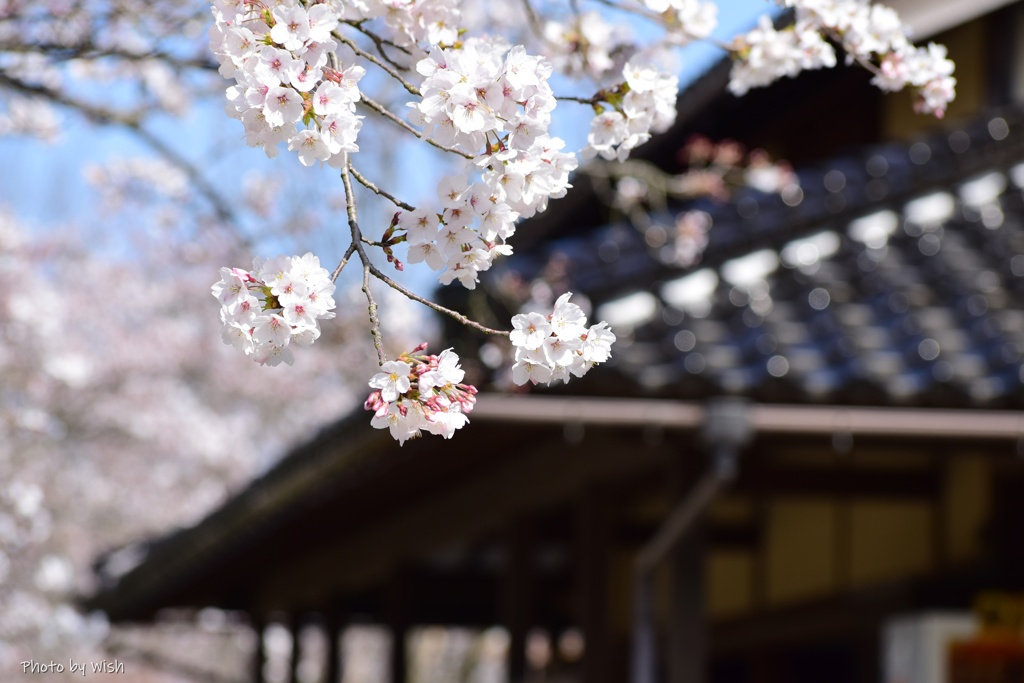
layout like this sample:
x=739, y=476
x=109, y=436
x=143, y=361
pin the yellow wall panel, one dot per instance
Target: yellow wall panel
x=800, y=549
x=889, y=541
x=730, y=576
x=966, y=506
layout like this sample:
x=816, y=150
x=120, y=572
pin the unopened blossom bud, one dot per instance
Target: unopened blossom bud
x=425, y=396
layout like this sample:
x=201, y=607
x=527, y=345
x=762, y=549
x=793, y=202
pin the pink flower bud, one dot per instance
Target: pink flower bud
x=373, y=401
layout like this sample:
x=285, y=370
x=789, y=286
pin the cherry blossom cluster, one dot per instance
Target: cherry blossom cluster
x=285, y=92
x=716, y=169
x=589, y=45
x=79, y=401
x=420, y=392
x=644, y=103
x=278, y=303
x=586, y=45
x=764, y=54
x=927, y=69
x=874, y=33
x=871, y=34
x=485, y=96
x=686, y=20
x=553, y=347
x=407, y=22
x=494, y=103
x=29, y=116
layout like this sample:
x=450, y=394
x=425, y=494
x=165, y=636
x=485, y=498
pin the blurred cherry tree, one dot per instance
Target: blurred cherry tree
x=122, y=413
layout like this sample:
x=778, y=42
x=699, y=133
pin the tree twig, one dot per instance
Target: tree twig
x=373, y=188
x=371, y=307
x=534, y=20
x=357, y=236
x=582, y=100
x=131, y=123
x=390, y=70
x=88, y=50
x=344, y=261
x=468, y=322
x=380, y=43
x=370, y=269
x=383, y=111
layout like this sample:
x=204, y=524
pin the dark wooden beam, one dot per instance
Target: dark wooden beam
x=821, y=620
x=398, y=624
x=333, y=629
x=1007, y=524
x=591, y=584
x=295, y=656
x=833, y=482
x=469, y=598
x=540, y=479
x=519, y=594
x=259, y=652
x=717, y=535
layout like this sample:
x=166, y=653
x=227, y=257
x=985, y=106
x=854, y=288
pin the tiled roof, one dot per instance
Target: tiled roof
x=897, y=277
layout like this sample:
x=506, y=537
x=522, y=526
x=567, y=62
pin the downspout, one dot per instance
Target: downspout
x=726, y=430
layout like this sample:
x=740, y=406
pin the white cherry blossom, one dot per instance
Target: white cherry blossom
x=393, y=380
x=281, y=300
x=420, y=392
x=555, y=347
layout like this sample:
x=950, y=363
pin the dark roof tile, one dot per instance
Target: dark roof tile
x=899, y=278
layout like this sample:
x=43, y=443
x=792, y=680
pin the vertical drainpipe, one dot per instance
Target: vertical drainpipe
x=726, y=430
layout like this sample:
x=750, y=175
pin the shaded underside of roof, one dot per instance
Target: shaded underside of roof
x=337, y=518
x=896, y=276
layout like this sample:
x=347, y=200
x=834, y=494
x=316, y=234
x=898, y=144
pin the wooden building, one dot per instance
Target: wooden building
x=812, y=431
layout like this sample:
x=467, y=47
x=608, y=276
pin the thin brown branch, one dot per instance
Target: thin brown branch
x=344, y=261
x=373, y=188
x=369, y=268
x=531, y=15
x=132, y=123
x=468, y=322
x=357, y=236
x=582, y=100
x=380, y=43
x=387, y=68
x=630, y=9
x=87, y=50
x=371, y=307
x=383, y=111
x=377, y=39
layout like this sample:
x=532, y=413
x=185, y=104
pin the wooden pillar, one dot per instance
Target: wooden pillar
x=591, y=583
x=759, y=580
x=259, y=652
x=941, y=471
x=333, y=628
x=687, y=627
x=295, y=658
x=763, y=666
x=1007, y=522
x=398, y=625
x=519, y=595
